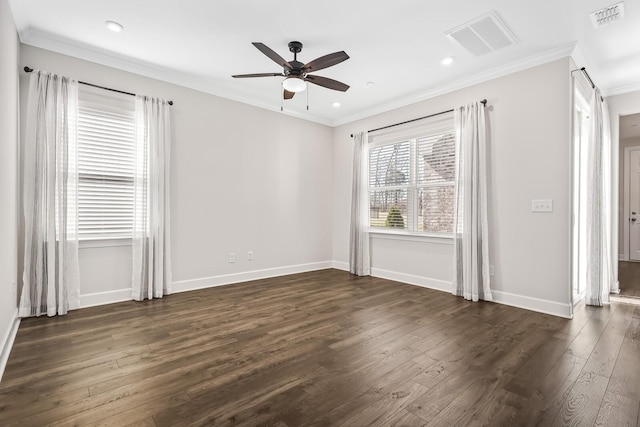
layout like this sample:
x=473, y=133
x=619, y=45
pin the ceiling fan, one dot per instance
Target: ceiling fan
x=297, y=73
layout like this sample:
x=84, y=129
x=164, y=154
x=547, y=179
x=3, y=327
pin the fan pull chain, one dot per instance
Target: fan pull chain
x=307, y=96
x=282, y=97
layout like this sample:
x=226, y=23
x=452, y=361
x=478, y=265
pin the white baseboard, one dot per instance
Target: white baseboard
x=425, y=282
x=102, y=298
x=338, y=265
x=514, y=300
x=7, y=342
x=533, y=304
x=119, y=295
x=228, y=279
x=506, y=298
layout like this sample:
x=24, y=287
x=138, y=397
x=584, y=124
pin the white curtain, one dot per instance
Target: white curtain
x=599, y=249
x=359, y=263
x=471, y=235
x=50, y=188
x=151, y=237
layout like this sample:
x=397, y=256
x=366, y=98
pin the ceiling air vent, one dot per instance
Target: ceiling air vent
x=483, y=34
x=608, y=15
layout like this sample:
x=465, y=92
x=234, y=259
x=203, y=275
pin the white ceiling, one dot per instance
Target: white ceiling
x=397, y=45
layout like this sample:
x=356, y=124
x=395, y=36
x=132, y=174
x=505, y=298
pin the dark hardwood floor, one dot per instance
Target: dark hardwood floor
x=629, y=277
x=324, y=348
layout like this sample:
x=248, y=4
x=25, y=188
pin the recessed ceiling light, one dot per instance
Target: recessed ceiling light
x=336, y=105
x=447, y=61
x=114, y=26
x=370, y=83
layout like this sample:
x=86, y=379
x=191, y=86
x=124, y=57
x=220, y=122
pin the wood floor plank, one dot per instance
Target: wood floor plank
x=444, y=393
x=382, y=411
x=526, y=378
x=320, y=349
x=404, y=418
x=373, y=390
x=625, y=379
x=618, y=410
x=551, y=392
x=583, y=402
x=605, y=354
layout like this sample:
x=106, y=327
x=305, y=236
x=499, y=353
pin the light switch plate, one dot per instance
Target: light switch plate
x=545, y=205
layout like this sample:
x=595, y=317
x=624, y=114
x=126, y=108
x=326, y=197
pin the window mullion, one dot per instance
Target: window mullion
x=412, y=193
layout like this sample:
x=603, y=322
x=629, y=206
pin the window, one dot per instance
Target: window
x=581, y=141
x=411, y=178
x=106, y=164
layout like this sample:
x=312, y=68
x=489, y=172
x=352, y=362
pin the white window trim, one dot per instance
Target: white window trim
x=400, y=234
x=408, y=236
x=104, y=243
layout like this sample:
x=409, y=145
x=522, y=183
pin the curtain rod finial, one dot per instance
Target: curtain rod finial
x=484, y=102
x=351, y=135
x=28, y=70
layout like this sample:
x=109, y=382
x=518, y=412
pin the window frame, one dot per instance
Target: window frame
x=412, y=136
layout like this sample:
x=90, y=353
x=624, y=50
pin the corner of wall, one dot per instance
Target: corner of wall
x=9, y=123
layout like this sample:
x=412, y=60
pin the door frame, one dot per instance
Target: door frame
x=626, y=238
x=619, y=105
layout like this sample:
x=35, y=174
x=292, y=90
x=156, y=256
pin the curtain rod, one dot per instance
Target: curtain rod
x=593, y=85
x=584, y=70
x=28, y=70
x=483, y=102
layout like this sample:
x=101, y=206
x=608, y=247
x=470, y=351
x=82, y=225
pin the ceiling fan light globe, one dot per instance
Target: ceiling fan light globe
x=294, y=84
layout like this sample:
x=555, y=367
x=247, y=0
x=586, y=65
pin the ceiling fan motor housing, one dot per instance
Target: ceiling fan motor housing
x=295, y=47
x=297, y=66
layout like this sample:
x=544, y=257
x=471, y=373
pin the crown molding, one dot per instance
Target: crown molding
x=620, y=90
x=559, y=52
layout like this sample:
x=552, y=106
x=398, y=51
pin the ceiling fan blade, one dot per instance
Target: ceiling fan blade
x=288, y=95
x=271, y=54
x=325, y=61
x=242, y=76
x=328, y=83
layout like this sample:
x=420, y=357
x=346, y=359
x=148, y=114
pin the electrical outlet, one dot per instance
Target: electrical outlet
x=250, y=255
x=542, y=205
x=492, y=270
x=232, y=257
x=14, y=290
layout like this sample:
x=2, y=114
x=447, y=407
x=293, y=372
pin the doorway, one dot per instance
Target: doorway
x=629, y=196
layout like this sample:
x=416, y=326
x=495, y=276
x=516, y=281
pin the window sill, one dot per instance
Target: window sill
x=104, y=243
x=443, y=239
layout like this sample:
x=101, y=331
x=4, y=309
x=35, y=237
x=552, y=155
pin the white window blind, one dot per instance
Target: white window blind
x=411, y=177
x=106, y=164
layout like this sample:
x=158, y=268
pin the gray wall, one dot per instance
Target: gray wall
x=8, y=175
